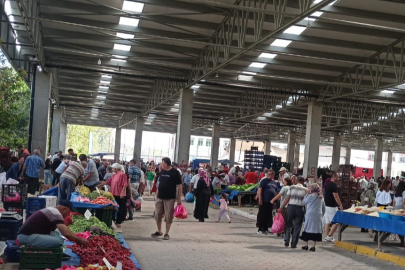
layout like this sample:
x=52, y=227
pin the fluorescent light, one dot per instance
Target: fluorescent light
x=103, y=87
x=104, y=82
x=106, y=76
x=268, y=55
x=18, y=46
x=257, y=65
x=245, y=78
x=195, y=86
x=148, y=123
x=260, y=118
x=318, y=1
x=249, y=73
x=119, y=60
x=101, y=97
x=281, y=42
x=126, y=36
x=129, y=21
x=122, y=47
x=133, y=6
x=388, y=91
x=119, y=56
x=295, y=30
x=279, y=106
x=174, y=110
x=267, y=114
x=110, y=70
x=316, y=14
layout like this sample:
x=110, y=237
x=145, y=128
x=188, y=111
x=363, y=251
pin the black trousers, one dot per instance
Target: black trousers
x=122, y=211
x=32, y=184
x=56, y=177
x=265, y=217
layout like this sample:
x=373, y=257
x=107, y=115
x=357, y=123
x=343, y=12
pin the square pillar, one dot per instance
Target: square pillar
x=297, y=155
x=62, y=137
x=389, y=164
x=216, y=132
x=312, y=137
x=348, y=155
x=117, y=145
x=337, y=143
x=267, y=147
x=55, y=139
x=378, y=158
x=138, y=139
x=184, y=124
x=232, y=146
x=41, y=105
x=291, y=140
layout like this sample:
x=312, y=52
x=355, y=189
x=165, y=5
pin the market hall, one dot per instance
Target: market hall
x=300, y=72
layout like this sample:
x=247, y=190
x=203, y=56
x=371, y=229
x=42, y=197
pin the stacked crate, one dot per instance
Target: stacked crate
x=14, y=197
x=347, y=189
x=254, y=159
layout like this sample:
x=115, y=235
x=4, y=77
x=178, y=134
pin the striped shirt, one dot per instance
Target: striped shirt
x=74, y=171
x=297, y=194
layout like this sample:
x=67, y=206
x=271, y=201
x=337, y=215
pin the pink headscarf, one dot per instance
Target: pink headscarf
x=203, y=175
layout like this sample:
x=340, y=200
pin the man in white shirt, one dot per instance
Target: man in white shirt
x=363, y=183
x=194, y=180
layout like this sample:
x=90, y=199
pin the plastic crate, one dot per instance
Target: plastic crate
x=14, y=207
x=51, y=192
x=106, y=215
x=9, y=229
x=40, y=258
x=81, y=210
x=50, y=200
x=12, y=251
x=34, y=204
x=10, y=193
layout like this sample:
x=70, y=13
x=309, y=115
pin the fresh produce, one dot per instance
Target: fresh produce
x=100, y=247
x=247, y=187
x=95, y=195
x=102, y=200
x=85, y=191
x=81, y=224
x=68, y=219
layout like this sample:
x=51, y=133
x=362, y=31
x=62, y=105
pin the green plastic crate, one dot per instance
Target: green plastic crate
x=106, y=215
x=40, y=258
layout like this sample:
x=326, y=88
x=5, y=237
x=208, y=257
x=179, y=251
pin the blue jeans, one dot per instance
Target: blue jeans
x=47, y=177
x=66, y=187
x=41, y=240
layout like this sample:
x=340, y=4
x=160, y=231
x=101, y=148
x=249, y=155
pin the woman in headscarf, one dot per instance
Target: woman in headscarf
x=368, y=196
x=118, y=184
x=203, y=193
x=315, y=208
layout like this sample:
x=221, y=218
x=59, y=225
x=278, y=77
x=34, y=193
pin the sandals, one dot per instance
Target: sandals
x=156, y=234
x=166, y=237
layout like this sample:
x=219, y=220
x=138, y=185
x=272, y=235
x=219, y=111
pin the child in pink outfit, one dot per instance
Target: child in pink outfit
x=223, y=207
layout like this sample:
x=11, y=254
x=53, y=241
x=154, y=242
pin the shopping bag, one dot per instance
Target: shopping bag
x=189, y=197
x=278, y=224
x=180, y=212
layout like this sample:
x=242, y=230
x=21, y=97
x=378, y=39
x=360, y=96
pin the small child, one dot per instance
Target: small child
x=223, y=207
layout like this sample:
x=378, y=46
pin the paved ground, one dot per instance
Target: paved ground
x=210, y=245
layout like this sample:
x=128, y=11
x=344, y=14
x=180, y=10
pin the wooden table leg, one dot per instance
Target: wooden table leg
x=380, y=238
x=341, y=228
x=239, y=200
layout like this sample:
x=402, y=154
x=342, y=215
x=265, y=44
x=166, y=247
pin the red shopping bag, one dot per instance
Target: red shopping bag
x=180, y=212
x=278, y=224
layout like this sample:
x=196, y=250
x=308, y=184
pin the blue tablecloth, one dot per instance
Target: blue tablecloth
x=75, y=259
x=86, y=205
x=368, y=222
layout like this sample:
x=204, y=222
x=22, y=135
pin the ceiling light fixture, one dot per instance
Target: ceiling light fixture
x=122, y=47
x=268, y=55
x=257, y=65
x=99, y=61
x=133, y=6
x=281, y=43
x=129, y=21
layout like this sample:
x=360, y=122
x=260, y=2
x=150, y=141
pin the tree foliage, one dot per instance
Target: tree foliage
x=78, y=138
x=14, y=107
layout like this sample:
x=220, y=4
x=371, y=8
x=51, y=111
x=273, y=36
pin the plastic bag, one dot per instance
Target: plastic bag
x=189, y=197
x=278, y=224
x=180, y=212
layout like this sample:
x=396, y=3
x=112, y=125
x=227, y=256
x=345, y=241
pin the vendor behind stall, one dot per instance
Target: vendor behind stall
x=39, y=229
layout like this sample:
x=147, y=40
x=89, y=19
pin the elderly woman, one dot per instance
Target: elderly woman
x=315, y=208
x=239, y=179
x=118, y=183
x=203, y=193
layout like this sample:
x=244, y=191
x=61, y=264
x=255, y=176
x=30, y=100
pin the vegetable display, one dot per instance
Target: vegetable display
x=104, y=246
x=102, y=200
x=81, y=224
x=95, y=195
x=85, y=191
x=247, y=187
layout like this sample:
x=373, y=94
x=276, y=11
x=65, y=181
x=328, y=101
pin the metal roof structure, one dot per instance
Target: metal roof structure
x=254, y=65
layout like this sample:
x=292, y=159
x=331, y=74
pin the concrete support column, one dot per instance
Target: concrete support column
x=232, y=146
x=184, y=125
x=348, y=155
x=291, y=140
x=138, y=139
x=117, y=145
x=313, y=134
x=389, y=164
x=297, y=155
x=216, y=133
x=267, y=147
x=337, y=143
x=41, y=101
x=62, y=137
x=378, y=158
x=57, y=118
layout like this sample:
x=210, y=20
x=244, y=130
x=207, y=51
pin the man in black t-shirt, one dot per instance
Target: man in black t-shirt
x=169, y=180
x=332, y=202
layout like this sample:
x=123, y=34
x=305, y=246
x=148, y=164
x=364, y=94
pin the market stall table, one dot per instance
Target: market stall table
x=240, y=194
x=383, y=226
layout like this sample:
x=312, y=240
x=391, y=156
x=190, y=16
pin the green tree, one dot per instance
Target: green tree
x=78, y=138
x=14, y=107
